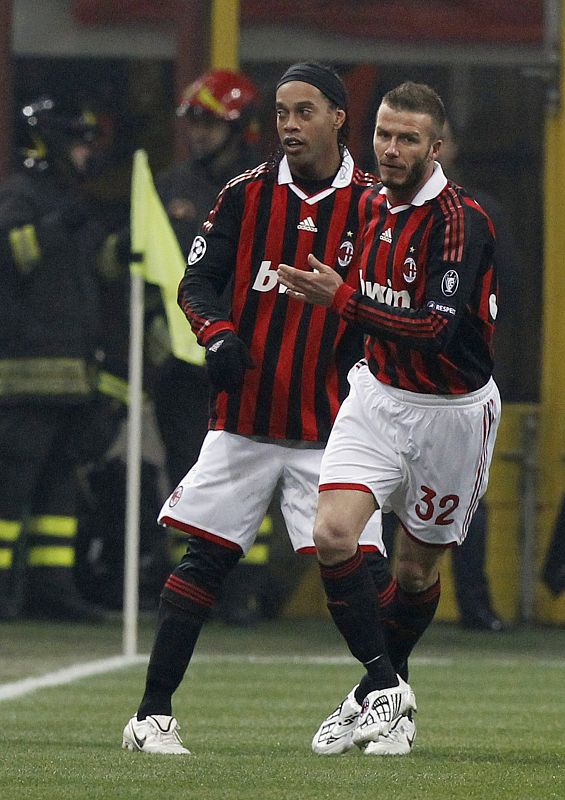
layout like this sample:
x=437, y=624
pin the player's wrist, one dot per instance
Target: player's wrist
x=341, y=297
x=215, y=329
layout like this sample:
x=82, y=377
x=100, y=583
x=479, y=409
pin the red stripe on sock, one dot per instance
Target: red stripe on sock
x=185, y=589
x=387, y=596
x=342, y=570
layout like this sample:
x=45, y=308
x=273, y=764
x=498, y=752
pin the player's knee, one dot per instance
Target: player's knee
x=333, y=540
x=413, y=576
x=196, y=581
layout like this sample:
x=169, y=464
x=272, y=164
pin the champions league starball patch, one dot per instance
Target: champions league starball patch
x=197, y=250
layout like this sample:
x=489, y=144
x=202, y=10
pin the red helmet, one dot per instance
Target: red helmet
x=225, y=94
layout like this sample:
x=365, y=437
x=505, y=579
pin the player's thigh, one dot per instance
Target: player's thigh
x=342, y=516
x=299, y=499
x=361, y=451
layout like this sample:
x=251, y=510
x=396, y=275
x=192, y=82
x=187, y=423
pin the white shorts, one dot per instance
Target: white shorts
x=425, y=457
x=226, y=494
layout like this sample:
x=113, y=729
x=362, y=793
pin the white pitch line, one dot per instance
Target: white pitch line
x=8, y=691
x=61, y=677
x=312, y=660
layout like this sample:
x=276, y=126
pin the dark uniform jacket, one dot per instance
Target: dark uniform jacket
x=48, y=291
x=188, y=191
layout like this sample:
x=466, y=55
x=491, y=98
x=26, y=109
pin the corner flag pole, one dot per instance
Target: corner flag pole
x=138, y=227
x=133, y=466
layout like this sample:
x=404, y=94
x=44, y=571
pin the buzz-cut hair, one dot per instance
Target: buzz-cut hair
x=418, y=97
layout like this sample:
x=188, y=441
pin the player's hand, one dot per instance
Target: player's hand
x=318, y=286
x=227, y=358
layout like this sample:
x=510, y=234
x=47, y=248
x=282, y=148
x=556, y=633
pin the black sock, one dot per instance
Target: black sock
x=406, y=619
x=352, y=602
x=175, y=639
x=187, y=598
x=404, y=615
x=386, y=586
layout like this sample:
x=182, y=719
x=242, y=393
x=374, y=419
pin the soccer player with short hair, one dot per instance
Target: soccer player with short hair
x=278, y=369
x=416, y=433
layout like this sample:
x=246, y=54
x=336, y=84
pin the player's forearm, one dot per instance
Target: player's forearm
x=201, y=304
x=422, y=330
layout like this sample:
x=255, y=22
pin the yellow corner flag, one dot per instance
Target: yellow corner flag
x=162, y=262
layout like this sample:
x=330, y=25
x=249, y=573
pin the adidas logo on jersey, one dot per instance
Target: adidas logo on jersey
x=386, y=236
x=307, y=225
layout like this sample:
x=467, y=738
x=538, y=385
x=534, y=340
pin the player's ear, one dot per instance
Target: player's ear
x=339, y=118
x=434, y=150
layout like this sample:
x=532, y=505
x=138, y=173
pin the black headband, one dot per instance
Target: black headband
x=319, y=76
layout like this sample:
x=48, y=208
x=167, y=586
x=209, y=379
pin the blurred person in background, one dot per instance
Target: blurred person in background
x=49, y=241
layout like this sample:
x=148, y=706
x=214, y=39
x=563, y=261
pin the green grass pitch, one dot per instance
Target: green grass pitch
x=491, y=718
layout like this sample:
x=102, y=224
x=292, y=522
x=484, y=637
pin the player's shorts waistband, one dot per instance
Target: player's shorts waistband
x=405, y=397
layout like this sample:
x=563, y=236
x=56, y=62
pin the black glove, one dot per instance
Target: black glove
x=227, y=358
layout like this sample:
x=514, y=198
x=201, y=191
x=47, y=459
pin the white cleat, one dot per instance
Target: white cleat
x=335, y=734
x=157, y=733
x=380, y=711
x=397, y=742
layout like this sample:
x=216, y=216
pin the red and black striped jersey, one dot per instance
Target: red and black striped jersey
x=426, y=290
x=301, y=353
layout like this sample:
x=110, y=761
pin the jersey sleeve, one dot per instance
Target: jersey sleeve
x=210, y=267
x=454, y=262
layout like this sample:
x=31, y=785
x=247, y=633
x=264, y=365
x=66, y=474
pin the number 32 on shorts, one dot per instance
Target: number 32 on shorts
x=430, y=504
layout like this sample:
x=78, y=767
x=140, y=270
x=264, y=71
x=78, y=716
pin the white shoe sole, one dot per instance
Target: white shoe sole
x=133, y=748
